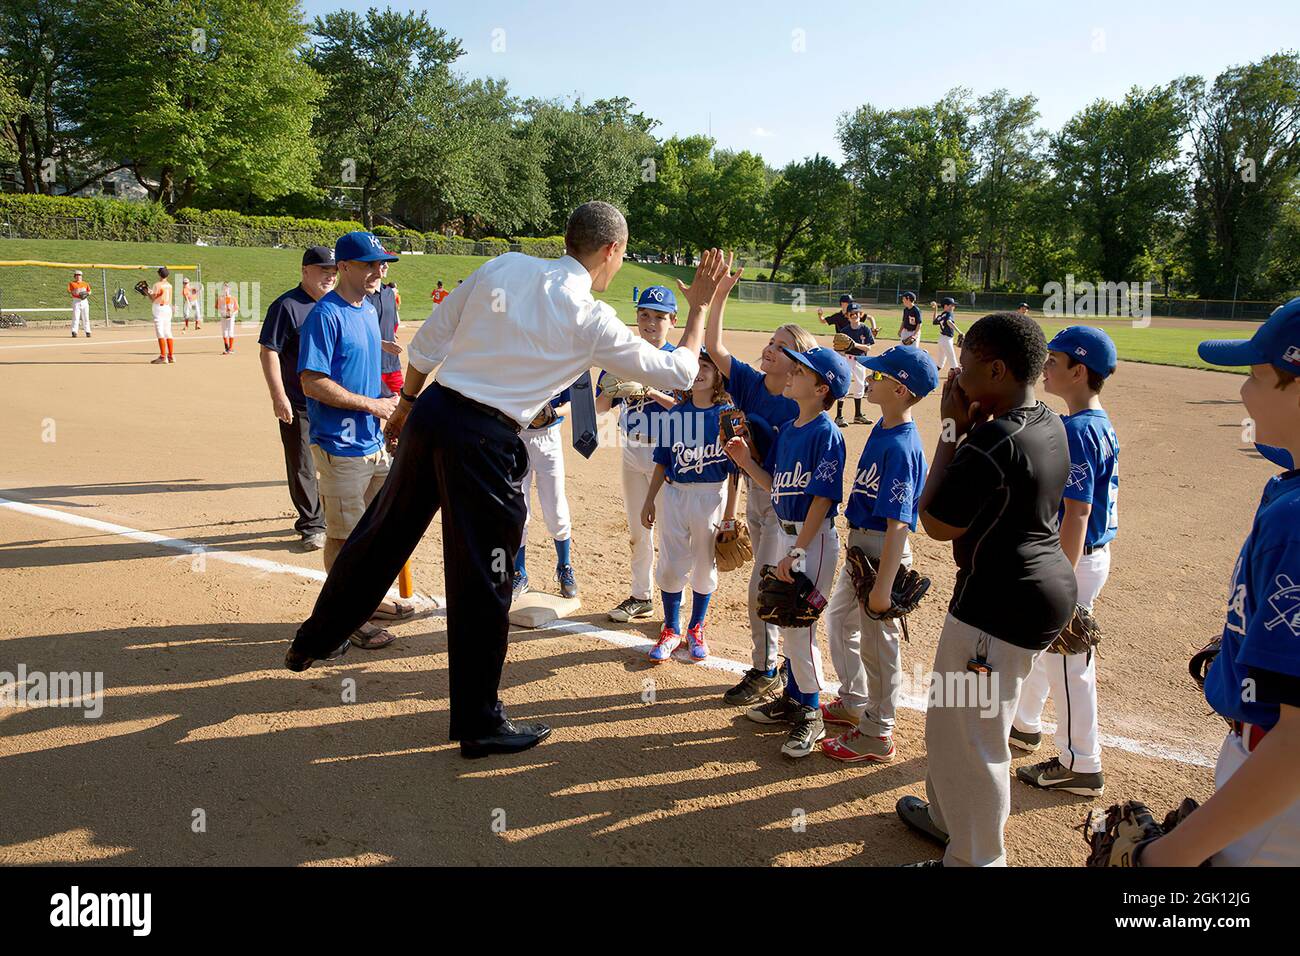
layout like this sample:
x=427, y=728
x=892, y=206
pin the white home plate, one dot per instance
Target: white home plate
x=535, y=609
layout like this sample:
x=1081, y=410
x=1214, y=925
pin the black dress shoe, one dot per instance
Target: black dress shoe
x=915, y=812
x=296, y=660
x=509, y=738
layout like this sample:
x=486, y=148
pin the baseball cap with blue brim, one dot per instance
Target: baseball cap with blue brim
x=1276, y=343
x=361, y=246
x=907, y=364
x=1092, y=347
x=827, y=363
x=657, y=298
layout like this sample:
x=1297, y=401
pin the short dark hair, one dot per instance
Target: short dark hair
x=162, y=271
x=592, y=226
x=1095, y=379
x=1016, y=340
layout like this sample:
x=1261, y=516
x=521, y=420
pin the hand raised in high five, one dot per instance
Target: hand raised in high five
x=728, y=280
x=707, y=275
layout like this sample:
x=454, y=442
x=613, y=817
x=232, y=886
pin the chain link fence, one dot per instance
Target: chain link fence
x=1161, y=306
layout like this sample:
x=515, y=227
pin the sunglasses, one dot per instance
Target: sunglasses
x=881, y=377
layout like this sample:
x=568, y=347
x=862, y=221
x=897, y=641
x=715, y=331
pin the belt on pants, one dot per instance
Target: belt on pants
x=482, y=409
x=792, y=527
x=1250, y=734
x=1090, y=549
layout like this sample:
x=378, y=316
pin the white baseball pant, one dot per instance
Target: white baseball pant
x=162, y=321
x=687, y=515
x=865, y=652
x=1274, y=842
x=947, y=351
x=800, y=643
x=1071, y=680
x=765, y=540
x=546, y=467
x=80, y=315
x=638, y=469
x=858, y=382
x=228, y=326
x=192, y=311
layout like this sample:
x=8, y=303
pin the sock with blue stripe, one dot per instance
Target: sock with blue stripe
x=562, y=551
x=672, y=610
x=699, y=607
x=519, y=560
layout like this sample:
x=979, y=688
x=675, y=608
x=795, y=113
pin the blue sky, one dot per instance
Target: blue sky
x=733, y=69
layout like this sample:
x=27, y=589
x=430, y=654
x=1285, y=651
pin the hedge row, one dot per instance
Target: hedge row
x=68, y=217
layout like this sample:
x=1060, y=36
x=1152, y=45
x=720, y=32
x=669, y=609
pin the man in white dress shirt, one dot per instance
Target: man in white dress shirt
x=515, y=333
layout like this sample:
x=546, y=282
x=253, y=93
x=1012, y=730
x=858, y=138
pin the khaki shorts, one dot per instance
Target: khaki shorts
x=347, y=485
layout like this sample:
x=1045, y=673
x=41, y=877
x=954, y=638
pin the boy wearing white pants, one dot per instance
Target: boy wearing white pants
x=542, y=440
x=806, y=482
x=160, y=298
x=80, y=292
x=947, y=331
x=689, y=456
x=1079, y=360
x=656, y=313
x=881, y=512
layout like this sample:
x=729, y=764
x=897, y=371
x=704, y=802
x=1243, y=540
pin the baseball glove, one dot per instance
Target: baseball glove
x=1117, y=837
x=615, y=388
x=83, y=294
x=545, y=418
x=1199, y=665
x=1080, y=636
x=905, y=593
x=961, y=338
x=788, y=604
x=842, y=343
x=731, y=545
x=142, y=287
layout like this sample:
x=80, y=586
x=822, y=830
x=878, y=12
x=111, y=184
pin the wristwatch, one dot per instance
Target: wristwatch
x=409, y=398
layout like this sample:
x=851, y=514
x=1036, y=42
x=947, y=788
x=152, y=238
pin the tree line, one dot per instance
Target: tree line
x=245, y=105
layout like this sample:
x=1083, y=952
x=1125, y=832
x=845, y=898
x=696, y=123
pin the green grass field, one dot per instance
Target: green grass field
x=274, y=270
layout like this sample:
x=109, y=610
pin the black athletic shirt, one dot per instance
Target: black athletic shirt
x=911, y=318
x=862, y=335
x=1004, y=486
x=280, y=334
x=946, y=324
x=839, y=320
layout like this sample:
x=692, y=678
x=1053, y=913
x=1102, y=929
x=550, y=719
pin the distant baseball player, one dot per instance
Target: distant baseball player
x=1079, y=360
x=656, y=313
x=995, y=496
x=838, y=319
x=80, y=292
x=689, y=456
x=1022, y=308
x=1253, y=819
x=191, y=303
x=881, y=513
x=909, y=327
x=856, y=339
x=805, y=476
x=439, y=294
x=761, y=394
x=228, y=312
x=944, y=318
x=544, y=441
x=160, y=297
x=636, y=294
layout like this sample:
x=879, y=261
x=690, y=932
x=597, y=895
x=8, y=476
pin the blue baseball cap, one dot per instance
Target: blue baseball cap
x=1092, y=347
x=361, y=246
x=657, y=298
x=845, y=298
x=910, y=365
x=947, y=300
x=909, y=295
x=1276, y=343
x=827, y=363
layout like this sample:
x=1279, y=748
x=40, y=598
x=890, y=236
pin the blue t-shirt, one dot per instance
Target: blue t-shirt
x=1094, y=472
x=1262, y=627
x=636, y=419
x=341, y=341
x=891, y=474
x=764, y=411
x=688, y=443
x=807, y=462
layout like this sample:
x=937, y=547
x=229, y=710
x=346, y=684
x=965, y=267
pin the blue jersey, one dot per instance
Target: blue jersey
x=1094, y=472
x=1278, y=456
x=636, y=418
x=341, y=341
x=891, y=474
x=764, y=411
x=689, y=444
x=806, y=462
x=1262, y=627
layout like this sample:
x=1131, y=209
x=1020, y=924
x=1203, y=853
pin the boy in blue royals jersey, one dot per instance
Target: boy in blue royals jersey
x=689, y=456
x=804, y=473
x=881, y=512
x=1253, y=819
x=656, y=313
x=1079, y=360
x=761, y=394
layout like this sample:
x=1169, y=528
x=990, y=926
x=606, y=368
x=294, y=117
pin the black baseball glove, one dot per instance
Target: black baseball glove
x=787, y=604
x=142, y=287
x=905, y=593
x=1116, y=838
x=1199, y=665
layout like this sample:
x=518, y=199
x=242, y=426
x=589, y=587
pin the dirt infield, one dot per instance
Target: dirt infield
x=200, y=724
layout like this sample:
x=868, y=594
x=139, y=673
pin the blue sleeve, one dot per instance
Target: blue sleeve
x=317, y=339
x=275, y=328
x=1272, y=639
x=828, y=472
x=898, y=488
x=1278, y=456
x=662, y=455
x=1084, y=461
x=740, y=383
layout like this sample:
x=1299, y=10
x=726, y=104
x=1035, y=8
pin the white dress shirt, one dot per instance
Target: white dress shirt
x=520, y=329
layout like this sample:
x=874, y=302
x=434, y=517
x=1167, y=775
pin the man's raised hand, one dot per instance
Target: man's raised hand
x=707, y=275
x=727, y=281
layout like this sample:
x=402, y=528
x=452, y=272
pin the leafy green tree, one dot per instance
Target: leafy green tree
x=1006, y=150
x=1245, y=132
x=807, y=204
x=36, y=45
x=1117, y=164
